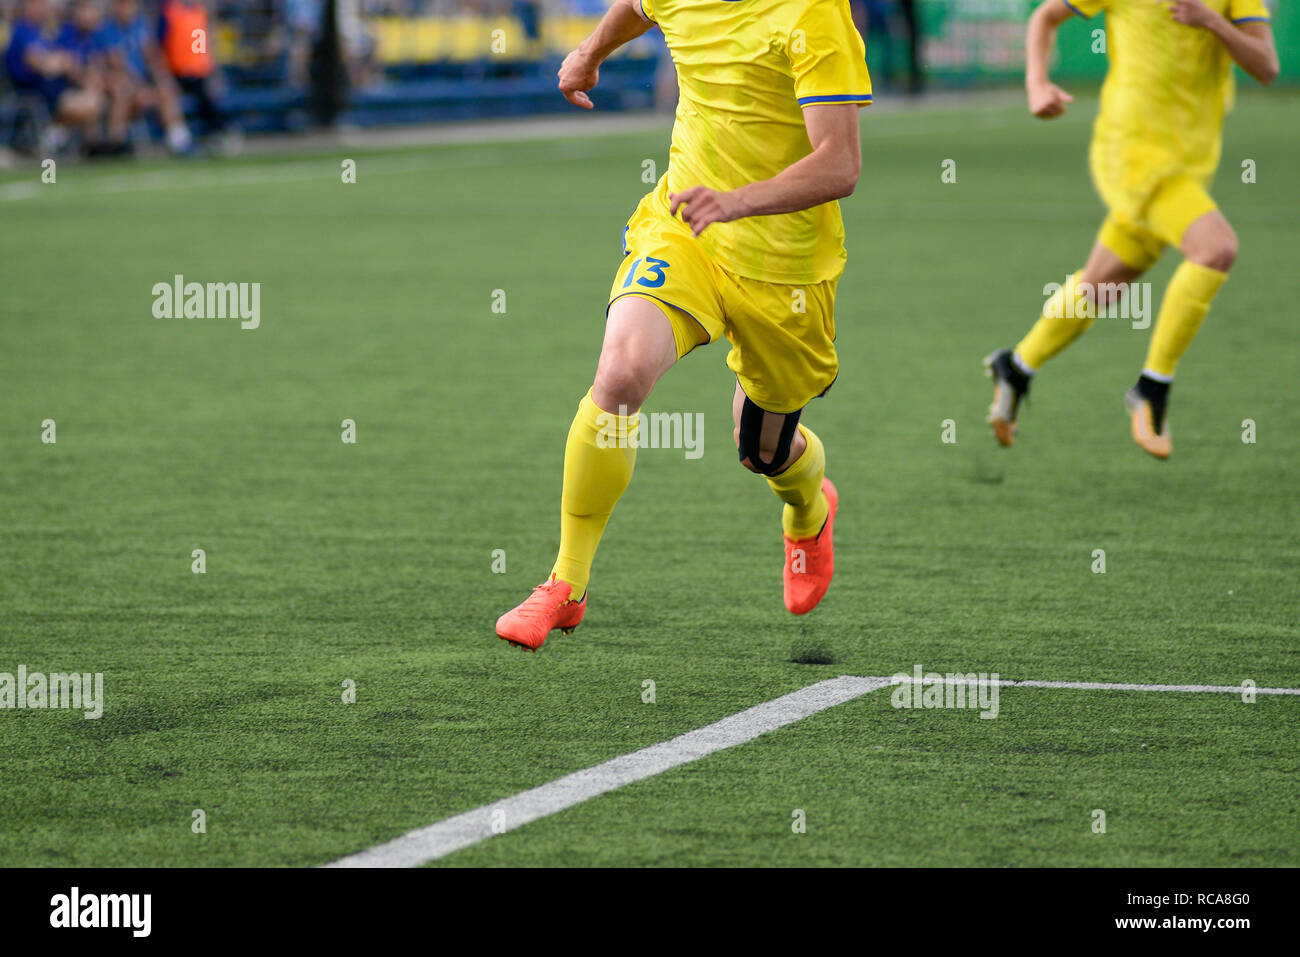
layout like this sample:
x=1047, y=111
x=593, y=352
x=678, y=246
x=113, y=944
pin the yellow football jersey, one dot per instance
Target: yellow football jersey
x=745, y=69
x=1167, y=89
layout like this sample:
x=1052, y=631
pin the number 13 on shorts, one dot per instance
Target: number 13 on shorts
x=651, y=272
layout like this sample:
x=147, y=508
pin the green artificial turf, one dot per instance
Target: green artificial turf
x=373, y=563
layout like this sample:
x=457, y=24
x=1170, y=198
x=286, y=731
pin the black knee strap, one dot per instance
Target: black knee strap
x=751, y=431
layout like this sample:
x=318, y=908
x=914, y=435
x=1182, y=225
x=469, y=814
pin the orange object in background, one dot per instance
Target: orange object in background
x=186, y=41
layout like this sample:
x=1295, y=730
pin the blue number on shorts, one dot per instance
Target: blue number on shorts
x=656, y=269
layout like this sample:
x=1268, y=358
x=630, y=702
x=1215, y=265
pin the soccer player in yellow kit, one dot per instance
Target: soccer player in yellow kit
x=741, y=237
x=1155, y=147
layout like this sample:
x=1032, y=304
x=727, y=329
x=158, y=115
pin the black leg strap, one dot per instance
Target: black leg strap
x=751, y=433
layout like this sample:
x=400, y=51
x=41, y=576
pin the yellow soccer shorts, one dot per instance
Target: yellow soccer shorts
x=1149, y=208
x=782, y=335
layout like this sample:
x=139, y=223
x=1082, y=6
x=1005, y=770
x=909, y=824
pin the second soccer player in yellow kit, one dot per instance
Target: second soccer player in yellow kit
x=1155, y=148
x=741, y=238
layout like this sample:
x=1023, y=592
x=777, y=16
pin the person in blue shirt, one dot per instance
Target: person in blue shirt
x=138, y=78
x=80, y=38
x=37, y=63
x=79, y=35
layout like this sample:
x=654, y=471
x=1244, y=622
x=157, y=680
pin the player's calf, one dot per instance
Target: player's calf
x=793, y=460
x=599, y=456
x=1210, y=246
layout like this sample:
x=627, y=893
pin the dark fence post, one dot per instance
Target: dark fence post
x=329, y=81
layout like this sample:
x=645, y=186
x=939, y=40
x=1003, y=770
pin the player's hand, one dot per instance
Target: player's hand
x=701, y=207
x=1193, y=13
x=578, y=74
x=1048, y=100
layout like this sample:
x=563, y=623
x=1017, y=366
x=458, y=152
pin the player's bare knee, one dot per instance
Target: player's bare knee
x=620, y=384
x=1218, y=252
x=1211, y=242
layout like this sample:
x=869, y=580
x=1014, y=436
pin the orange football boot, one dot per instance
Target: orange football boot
x=1010, y=387
x=528, y=623
x=810, y=562
x=1150, y=426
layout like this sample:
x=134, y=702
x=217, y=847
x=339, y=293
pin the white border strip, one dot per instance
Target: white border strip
x=438, y=840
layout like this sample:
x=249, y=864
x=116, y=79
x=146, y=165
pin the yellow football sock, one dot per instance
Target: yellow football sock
x=1187, y=300
x=800, y=487
x=1067, y=315
x=598, y=461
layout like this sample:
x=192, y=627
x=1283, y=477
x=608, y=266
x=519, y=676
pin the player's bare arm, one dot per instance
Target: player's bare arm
x=1250, y=44
x=1046, y=99
x=580, y=71
x=829, y=172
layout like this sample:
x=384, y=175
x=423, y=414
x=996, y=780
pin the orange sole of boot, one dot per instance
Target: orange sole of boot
x=523, y=647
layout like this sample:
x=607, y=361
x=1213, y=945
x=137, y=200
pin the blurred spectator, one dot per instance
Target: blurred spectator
x=158, y=59
x=529, y=15
x=304, y=21
x=138, y=79
x=879, y=15
x=79, y=36
x=185, y=38
x=261, y=26
x=37, y=63
x=358, y=45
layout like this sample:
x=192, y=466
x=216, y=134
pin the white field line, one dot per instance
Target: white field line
x=438, y=840
x=454, y=833
x=1095, y=685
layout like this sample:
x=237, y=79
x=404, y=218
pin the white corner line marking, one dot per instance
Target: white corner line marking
x=472, y=827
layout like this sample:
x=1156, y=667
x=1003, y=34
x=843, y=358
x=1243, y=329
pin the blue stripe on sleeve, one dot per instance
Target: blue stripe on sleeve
x=839, y=98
